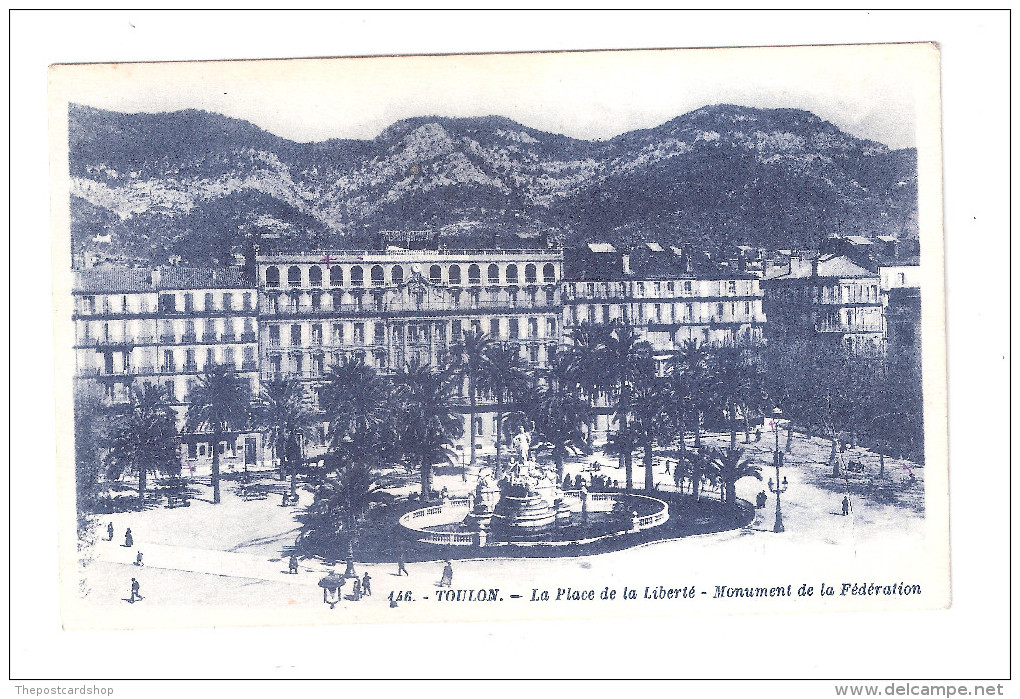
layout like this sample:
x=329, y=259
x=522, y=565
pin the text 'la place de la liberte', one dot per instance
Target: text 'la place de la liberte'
x=660, y=592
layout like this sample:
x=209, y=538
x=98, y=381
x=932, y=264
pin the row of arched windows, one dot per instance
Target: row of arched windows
x=377, y=275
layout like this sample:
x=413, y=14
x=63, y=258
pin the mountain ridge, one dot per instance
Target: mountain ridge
x=199, y=185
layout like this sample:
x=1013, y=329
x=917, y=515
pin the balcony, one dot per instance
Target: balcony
x=248, y=337
x=189, y=338
x=228, y=337
x=145, y=370
x=191, y=367
x=167, y=339
x=208, y=336
x=168, y=369
x=249, y=365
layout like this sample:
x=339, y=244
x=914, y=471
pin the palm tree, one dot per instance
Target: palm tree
x=341, y=502
x=355, y=401
x=730, y=385
x=144, y=437
x=220, y=402
x=730, y=466
x=426, y=421
x=585, y=365
x=689, y=373
x=625, y=358
x=470, y=364
x=505, y=378
x=650, y=406
x=91, y=419
x=558, y=410
x=283, y=411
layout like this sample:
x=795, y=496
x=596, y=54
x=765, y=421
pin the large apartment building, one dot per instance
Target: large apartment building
x=829, y=298
x=164, y=327
x=394, y=307
x=667, y=296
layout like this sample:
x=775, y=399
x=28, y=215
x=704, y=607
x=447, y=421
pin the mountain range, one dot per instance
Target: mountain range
x=145, y=187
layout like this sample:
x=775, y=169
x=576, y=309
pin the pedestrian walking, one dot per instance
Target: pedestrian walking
x=129, y=540
x=357, y=589
x=764, y=497
x=402, y=566
x=109, y=531
x=846, y=505
x=447, y=579
x=667, y=466
x=366, y=585
x=138, y=559
x=135, y=587
x=292, y=565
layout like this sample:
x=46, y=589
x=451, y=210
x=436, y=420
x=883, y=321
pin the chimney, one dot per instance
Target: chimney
x=156, y=277
x=626, y=264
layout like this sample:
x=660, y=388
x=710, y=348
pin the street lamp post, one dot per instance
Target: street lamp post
x=776, y=487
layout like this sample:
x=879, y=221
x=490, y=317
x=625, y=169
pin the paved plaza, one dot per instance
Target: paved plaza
x=236, y=552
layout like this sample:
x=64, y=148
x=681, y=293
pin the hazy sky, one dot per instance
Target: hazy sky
x=868, y=91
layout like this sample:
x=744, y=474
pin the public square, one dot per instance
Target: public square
x=235, y=553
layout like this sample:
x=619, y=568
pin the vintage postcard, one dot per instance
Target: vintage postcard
x=500, y=337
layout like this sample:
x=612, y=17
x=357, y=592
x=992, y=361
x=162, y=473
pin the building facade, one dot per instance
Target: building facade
x=394, y=307
x=165, y=327
x=828, y=298
x=668, y=298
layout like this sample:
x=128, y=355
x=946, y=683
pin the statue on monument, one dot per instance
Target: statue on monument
x=522, y=443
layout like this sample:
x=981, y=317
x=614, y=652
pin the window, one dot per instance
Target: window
x=338, y=333
x=336, y=276
x=511, y=274
x=397, y=275
x=731, y=288
x=202, y=448
x=549, y=273
x=167, y=303
x=514, y=328
x=316, y=300
x=455, y=329
x=436, y=274
x=494, y=274
x=530, y=274
x=294, y=276
x=658, y=313
x=274, y=335
x=210, y=357
x=192, y=450
x=550, y=327
x=228, y=356
x=295, y=335
x=534, y=354
x=687, y=287
x=189, y=302
x=494, y=327
x=455, y=274
x=249, y=357
x=719, y=310
x=168, y=361
x=228, y=302
x=357, y=276
x=272, y=276
x=377, y=275
x=359, y=333
x=533, y=327
x=246, y=301
x=317, y=334
x=380, y=334
x=669, y=287
x=315, y=276
x=209, y=303
x=474, y=275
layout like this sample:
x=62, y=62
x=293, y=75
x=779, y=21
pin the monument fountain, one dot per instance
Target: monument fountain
x=524, y=504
